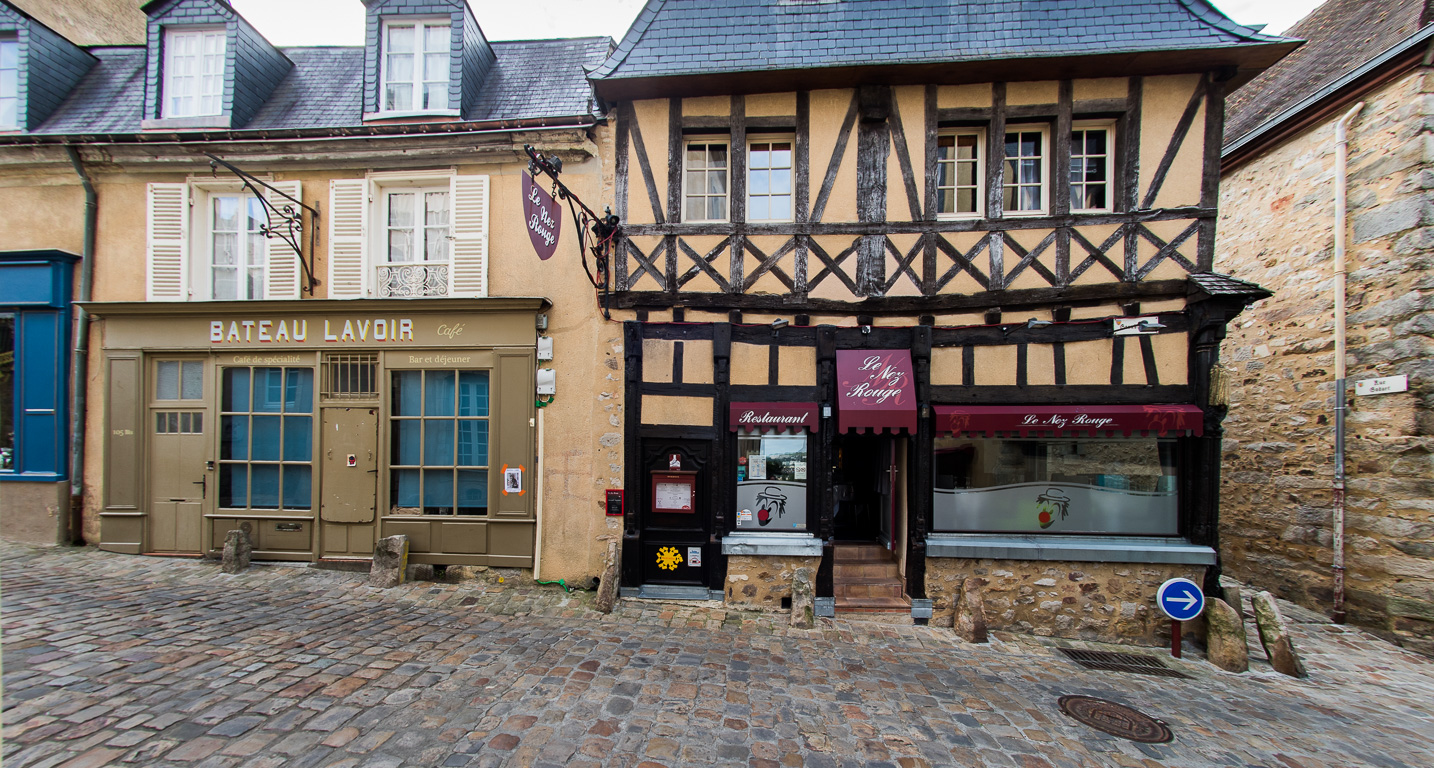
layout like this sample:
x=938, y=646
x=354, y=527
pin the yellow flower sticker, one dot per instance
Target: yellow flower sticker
x=668, y=558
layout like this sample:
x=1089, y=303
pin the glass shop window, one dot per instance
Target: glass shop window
x=771, y=482
x=7, y=393
x=438, y=456
x=179, y=380
x=1083, y=486
x=267, y=438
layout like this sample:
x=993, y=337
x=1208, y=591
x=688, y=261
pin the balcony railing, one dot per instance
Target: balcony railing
x=402, y=281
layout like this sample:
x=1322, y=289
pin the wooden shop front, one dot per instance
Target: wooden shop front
x=321, y=426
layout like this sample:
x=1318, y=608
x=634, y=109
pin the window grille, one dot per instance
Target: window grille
x=350, y=377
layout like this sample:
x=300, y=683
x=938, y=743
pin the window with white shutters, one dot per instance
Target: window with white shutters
x=166, y=235
x=284, y=269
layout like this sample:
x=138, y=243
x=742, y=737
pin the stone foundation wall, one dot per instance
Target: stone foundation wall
x=759, y=582
x=30, y=512
x=1277, y=229
x=1108, y=602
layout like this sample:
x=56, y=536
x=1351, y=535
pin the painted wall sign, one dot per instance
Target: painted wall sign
x=875, y=389
x=544, y=217
x=772, y=416
x=1384, y=385
x=1017, y=420
x=359, y=330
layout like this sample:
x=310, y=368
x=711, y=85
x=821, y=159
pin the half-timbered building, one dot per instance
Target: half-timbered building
x=916, y=293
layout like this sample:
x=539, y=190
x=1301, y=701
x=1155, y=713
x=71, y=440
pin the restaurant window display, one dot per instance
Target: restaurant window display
x=772, y=482
x=267, y=438
x=439, y=452
x=1053, y=486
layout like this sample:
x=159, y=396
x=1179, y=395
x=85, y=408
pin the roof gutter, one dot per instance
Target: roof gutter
x=1241, y=149
x=410, y=130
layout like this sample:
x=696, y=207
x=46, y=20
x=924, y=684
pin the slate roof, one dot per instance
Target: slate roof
x=1342, y=35
x=691, y=37
x=1217, y=284
x=534, y=79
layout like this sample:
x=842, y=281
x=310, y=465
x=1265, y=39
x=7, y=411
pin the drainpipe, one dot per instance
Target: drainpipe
x=1341, y=188
x=80, y=365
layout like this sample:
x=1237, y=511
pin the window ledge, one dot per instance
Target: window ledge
x=173, y=123
x=779, y=544
x=419, y=114
x=1085, y=549
x=30, y=477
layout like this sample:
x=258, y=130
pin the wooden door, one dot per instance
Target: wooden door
x=675, y=542
x=348, y=480
x=178, y=481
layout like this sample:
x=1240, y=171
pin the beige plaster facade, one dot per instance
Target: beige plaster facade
x=1276, y=228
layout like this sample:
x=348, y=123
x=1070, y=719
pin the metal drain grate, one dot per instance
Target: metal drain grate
x=1122, y=662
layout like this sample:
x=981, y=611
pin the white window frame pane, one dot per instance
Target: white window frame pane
x=194, y=63
x=1109, y=162
x=780, y=202
x=1009, y=181
x=690, y=199
x=248, y=272
x=955, y=163
x=10, y=105
x=421, y=81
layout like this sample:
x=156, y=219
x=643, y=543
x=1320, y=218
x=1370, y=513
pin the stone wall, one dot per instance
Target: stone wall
x=1107, y=602
x=759, y=582
x=1276, y=228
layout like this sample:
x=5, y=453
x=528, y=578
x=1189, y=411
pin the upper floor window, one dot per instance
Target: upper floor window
x=416, y=65
x=415, y=242
x=194, y=72
x=1024, y=188
x=1091, y=167
x=705, y=185
x=9, y=83
x=769, y=180
x=237, y=246
x=958, y=174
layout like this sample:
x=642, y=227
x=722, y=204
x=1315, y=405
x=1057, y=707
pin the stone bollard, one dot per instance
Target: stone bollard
x=1225, y=639
x=390, y=562
x=970, y=621
x=803, y=598
x=1230, y=590
x=237, y=550
x=1275, y=636
x=606, y=598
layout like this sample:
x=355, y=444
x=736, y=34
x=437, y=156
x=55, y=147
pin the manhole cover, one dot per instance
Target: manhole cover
x=1116, y=719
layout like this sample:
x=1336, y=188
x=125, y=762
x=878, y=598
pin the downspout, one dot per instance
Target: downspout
x=73, y=533
x=1341, y=188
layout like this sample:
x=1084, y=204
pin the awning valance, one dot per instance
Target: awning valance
x=1089, y=420
x=875, y=389
x=765, y=417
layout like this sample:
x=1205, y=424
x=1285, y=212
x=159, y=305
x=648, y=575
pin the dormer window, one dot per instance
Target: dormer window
x=9, y=82
x=194, y=72
x=416, y=63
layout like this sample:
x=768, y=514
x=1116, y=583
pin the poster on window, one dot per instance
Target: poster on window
x=1057, y=508
x=771, y=505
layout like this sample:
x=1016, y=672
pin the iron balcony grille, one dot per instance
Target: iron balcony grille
x=350, y=377
x=400, y=281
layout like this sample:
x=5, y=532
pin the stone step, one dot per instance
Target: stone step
x=848, y=553
x=891, y=605
x=868, y=589
x=844, y=571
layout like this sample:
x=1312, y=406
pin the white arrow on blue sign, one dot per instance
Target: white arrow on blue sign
x=1180, y=599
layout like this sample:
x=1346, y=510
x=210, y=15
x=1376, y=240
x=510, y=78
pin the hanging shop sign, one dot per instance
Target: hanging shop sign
x=544, y=217
x=765, y=417
x=1093, y=420
x=875, y=389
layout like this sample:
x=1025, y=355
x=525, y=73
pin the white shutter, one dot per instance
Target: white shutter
x=347, y=200
x=281, y=277
x=166, y=233
x=470, y=236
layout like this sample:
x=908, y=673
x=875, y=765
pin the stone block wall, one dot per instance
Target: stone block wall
x=759, y=582
x=1277, y=229
x=1106, y=602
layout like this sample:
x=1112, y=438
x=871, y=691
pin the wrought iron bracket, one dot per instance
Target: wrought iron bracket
x=284, y=221
x=606, y=229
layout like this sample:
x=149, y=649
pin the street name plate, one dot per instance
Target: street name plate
x=1384, y=385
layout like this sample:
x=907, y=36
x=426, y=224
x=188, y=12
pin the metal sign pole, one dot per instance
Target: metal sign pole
x=1175, y=638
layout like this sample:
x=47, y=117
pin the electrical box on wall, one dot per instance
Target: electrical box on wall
x=545, y=347
x=542, y=322
x=547, y=381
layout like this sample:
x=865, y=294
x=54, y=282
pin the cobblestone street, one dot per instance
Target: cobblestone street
x=113, y=659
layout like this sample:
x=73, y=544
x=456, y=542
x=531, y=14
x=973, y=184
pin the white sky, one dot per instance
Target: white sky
x=340, y=22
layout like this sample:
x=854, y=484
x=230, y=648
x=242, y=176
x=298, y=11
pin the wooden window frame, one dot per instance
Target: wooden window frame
x=981, y=140
x=1044, y=129
x=791, y=194
x=707, y=141
x=167, y=108
x=1109, y=126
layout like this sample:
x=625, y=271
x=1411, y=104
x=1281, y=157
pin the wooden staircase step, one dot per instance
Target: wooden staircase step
x=873, y=605
x=850, y=553
x=865, y=570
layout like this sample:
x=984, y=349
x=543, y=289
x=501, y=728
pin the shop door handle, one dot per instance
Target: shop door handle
x=203, y=483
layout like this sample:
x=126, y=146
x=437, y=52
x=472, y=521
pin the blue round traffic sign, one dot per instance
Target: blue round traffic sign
x=1180, y=599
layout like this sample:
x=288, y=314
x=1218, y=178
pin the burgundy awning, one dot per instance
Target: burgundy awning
x=1097, y=420
x=875, y=389
x=772, y=416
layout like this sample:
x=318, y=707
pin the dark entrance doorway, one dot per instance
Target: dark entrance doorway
x=676, y=514
x=863, y=477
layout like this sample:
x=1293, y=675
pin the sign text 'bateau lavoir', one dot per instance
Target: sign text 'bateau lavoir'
x=360, y=330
